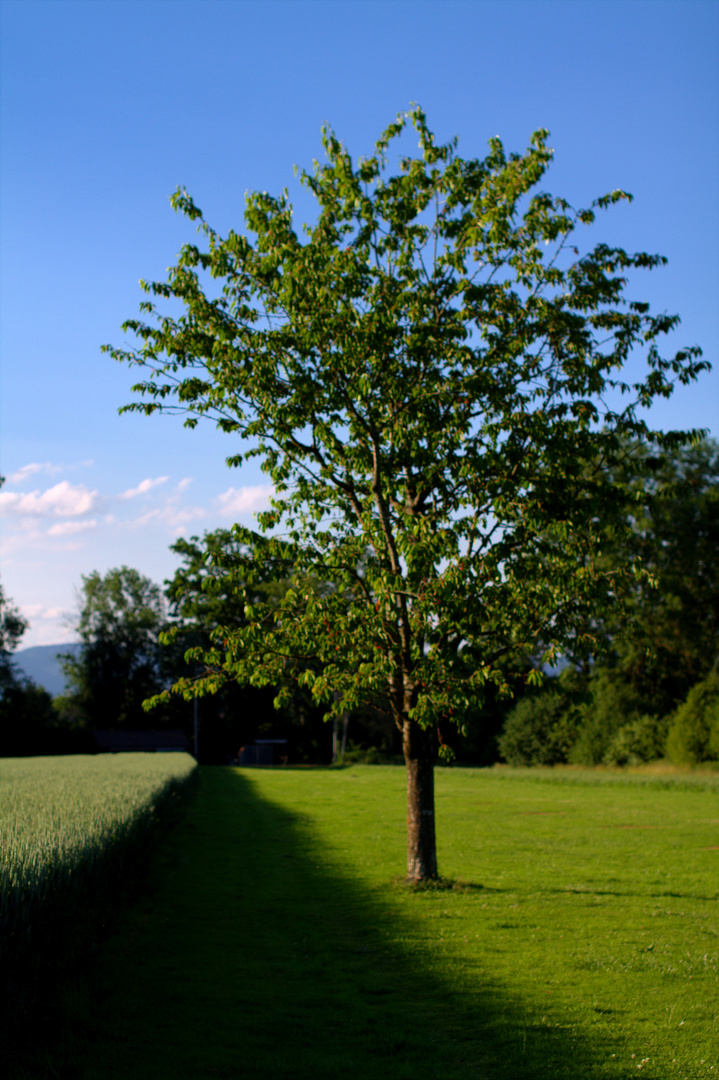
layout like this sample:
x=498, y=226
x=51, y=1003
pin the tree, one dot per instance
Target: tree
x=694, y=733
x=202, y=599
x=431, y=374
x=667, y=638
x=120, y=662
x=12, y=627
x=541, y=729
x=663, y=640
x=26, y=713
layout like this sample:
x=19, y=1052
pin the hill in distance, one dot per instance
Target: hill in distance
x=40, y=663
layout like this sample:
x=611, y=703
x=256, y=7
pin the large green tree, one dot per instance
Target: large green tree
x=431, y=373
x=120, y=661
x=662, y=641
x=667, y=638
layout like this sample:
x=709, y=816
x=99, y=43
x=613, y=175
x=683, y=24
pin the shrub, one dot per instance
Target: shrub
x=356, y=754
x=638, y=741
x=541, y=729
x=714, y=737
x=613, y=705
x=694, y=732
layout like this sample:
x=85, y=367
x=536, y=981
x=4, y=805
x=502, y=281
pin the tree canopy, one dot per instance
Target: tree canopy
x=26, y=714
x=203, y=598
x=119, y=663
x=12, y=627
x=431, y=373
x=668, y=636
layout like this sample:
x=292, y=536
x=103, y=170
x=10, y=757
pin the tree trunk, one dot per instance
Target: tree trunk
x=421, y=843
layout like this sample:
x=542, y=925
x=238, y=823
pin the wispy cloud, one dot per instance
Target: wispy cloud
x=170, y=514
x=48, y=625
x=245, y=500
x=56, y=529
x=34, y=467
x=67, y=528
x=40, y=611
x=47, y=467
x=168, y=511
x=143, y=487
x=63, y=500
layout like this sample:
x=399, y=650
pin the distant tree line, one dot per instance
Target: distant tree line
x=27, y=716
x=654, y=689
x=651, y=690
x=121, y=663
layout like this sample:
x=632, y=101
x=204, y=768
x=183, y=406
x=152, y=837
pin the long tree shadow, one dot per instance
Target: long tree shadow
x=249, y=958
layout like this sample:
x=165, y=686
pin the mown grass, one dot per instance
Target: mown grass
x=574, y=935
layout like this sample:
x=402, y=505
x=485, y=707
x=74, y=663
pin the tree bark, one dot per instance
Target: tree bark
x=343, y=747
x=421, y=841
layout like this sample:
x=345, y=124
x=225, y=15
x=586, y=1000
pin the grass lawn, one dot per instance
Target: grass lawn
x=575, y=935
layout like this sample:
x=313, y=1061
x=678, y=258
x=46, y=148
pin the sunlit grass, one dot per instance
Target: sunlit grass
x=590, y=897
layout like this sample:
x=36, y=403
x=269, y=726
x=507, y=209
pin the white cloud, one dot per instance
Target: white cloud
x=64, y=500
x=48, y=625
x=66, y=528
x=21, y=475
x=55, y=532
x=32, y=611
x=40, y=611
x=16, y=542
x=245, y=500
x=46, y=467
x=143, y=487
x=170, y=514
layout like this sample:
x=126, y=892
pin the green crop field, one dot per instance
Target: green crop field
x=574, y=934
x=64, y=822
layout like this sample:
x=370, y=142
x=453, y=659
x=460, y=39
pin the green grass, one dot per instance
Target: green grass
x=574, y=935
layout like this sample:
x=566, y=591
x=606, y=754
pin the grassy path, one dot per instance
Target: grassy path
x=273, y=942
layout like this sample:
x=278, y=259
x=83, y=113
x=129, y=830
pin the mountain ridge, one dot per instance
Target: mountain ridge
x=40, y=663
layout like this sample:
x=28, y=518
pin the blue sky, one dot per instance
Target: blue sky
x=107, y=107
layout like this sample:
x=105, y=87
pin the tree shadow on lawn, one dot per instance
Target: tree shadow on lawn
x=248, y=957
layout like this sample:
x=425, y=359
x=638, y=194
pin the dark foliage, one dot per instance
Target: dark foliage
x=694, y=732
x=119, y=663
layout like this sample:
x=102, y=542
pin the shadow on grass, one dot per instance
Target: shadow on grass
x=250, y=958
